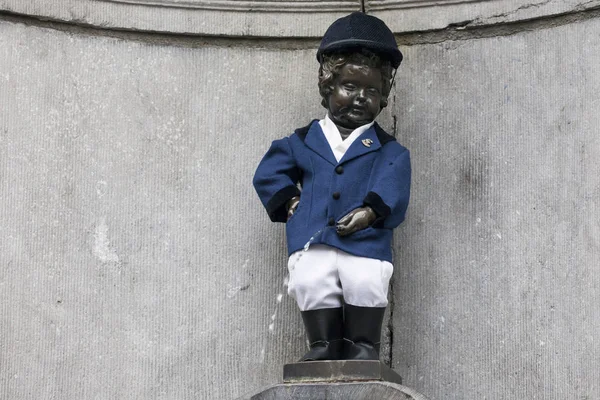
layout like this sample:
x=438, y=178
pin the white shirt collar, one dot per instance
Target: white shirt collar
x=332, y=134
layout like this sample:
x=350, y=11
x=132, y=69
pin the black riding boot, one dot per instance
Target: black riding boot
x=324, y=330
x=362, y=332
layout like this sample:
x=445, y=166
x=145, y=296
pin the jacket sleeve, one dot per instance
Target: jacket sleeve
x=276, y=178
x=390, y=190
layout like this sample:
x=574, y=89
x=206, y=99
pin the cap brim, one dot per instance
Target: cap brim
x=392, y=54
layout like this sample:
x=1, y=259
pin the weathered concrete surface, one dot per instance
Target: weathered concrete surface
x=137, y=263
x=136, y=260
x=498, y=280
x=337, y=391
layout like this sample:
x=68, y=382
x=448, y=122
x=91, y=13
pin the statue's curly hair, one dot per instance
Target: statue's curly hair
x=334, y=62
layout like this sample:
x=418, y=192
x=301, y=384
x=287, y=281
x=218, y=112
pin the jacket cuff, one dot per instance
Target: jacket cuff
x=276, y=206
x=382, y=210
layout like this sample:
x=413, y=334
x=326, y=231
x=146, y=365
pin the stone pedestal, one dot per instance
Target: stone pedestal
x=338, y=380
x=339, y=371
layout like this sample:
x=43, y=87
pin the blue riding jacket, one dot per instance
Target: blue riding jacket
x=375, y=171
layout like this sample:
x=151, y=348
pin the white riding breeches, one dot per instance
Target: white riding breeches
x=326, y=277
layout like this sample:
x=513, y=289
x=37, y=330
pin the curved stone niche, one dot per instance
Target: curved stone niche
x=284, y=18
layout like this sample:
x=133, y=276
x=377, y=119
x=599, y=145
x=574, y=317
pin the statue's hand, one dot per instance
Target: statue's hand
x=355, y=220
x=291, y=206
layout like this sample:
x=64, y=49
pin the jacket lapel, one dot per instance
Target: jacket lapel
x=315, y=140
x=365, y=143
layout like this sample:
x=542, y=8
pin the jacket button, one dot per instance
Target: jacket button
x=336, y=195
x=331, y=222
x=339, y=170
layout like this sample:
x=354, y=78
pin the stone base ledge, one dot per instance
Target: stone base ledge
x=338, y=380
x=339, y=371
x=337, y=391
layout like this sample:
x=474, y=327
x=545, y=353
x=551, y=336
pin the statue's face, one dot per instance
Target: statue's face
x=356, y=96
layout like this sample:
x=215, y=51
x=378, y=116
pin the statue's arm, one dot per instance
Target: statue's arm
x=276, y=178
x=355, y=220
x=291, y=206
x=390, y=192
x=386, y=203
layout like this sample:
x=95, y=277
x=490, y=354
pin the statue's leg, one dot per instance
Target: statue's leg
x=365, y=283
x=362, y=332
x=324, y=331
x=314, y=284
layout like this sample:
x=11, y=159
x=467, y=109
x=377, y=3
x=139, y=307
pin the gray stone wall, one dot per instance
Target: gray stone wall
x=137, y=263
x=498, y=276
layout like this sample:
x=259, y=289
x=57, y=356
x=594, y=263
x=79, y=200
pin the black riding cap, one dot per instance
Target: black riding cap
x=359, y=30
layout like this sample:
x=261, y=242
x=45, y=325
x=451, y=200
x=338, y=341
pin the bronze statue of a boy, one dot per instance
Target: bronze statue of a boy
x=341, y=185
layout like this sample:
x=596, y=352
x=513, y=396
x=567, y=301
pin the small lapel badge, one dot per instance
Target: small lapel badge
x=367, y=142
